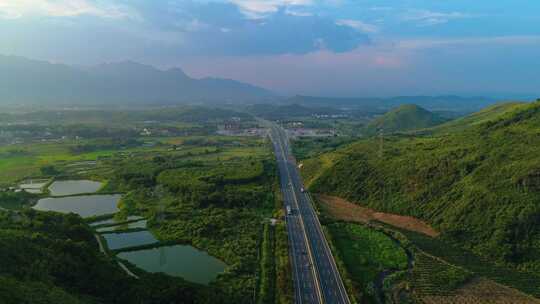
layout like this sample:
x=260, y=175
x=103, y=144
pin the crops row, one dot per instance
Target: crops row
x=526, y=282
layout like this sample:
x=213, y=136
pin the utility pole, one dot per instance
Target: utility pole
x=381, y=142
x=381, y=155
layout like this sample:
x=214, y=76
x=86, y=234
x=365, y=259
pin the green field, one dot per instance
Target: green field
x=366, y=253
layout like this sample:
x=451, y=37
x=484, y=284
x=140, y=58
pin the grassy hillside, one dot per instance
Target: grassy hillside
x=480, y=187
x=404, y=118
x=490, y=113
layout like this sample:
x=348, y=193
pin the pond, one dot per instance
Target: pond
x=179, y=260
x=117, y=220
x=85, y=206
x=72, y=187
x=128, y=239
x=125, y=226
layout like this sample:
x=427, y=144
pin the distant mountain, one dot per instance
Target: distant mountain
x=432, y=103
x=38, y=82
x=404, y=118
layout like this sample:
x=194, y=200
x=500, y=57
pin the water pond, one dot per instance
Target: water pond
x=128, y=239
x=117, y=220
x=125, y=226
x=72, y=187
x=179, y=260
x=85, y=206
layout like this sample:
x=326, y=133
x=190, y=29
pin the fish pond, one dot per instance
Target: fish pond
x=129, y=239
x=179, y=260
x=85, y=206
x=73, y=187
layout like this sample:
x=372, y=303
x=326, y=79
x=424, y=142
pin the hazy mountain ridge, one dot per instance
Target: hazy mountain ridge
x=39, y=82
x=432, y=103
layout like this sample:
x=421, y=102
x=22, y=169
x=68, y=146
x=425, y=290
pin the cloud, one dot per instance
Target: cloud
x=14, y=9
x=434, y=43
x=221, y=28
x=380, y=8
x=260, y=8
x=358, y=25
x=427, y=17
x=280, y=33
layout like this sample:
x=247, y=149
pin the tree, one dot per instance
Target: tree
x=49, y=170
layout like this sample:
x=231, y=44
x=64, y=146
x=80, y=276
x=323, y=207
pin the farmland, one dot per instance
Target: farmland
x=215, y=193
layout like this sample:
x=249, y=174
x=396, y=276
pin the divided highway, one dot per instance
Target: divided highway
x=315, y=274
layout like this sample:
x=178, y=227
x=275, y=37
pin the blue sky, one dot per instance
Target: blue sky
x=313, y=47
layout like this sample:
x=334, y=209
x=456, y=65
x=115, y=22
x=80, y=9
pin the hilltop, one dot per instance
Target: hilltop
x=479, y=185
x=404, y=118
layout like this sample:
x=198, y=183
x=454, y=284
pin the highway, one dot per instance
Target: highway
x=315, y=274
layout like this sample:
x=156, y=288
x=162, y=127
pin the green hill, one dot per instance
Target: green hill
x=479, y=186
x=404, y=118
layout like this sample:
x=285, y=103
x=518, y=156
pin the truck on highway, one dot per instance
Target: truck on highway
x=289, y=210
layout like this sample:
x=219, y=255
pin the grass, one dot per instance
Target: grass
x=267, y=288
x=366, y=253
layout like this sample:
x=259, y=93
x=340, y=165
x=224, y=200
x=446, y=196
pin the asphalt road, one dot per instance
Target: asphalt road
x=315, y=274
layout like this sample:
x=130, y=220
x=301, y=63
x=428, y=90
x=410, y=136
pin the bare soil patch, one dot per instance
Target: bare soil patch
x=344, y=210
x=480, y=291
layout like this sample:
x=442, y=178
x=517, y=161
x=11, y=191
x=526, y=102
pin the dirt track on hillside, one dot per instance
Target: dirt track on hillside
x=344, y=210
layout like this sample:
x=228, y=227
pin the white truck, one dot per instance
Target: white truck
x=289, y=210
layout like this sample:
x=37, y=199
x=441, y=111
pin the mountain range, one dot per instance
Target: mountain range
x=38, y=82
x=27, y=81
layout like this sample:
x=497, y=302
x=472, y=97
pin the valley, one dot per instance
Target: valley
x=201, y=211
x=269, y=152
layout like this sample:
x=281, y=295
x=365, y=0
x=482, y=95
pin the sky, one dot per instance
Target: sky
x=309, y=47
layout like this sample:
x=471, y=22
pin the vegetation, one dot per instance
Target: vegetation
x=366, y=254
x=306, y=148
x=52, y=258
x=403, y=118
x=15, y=200
x=215, y=193
x=216, y=200
x=477, y=185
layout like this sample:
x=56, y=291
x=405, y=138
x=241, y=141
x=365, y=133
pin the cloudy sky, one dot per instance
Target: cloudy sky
x=313, y=47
